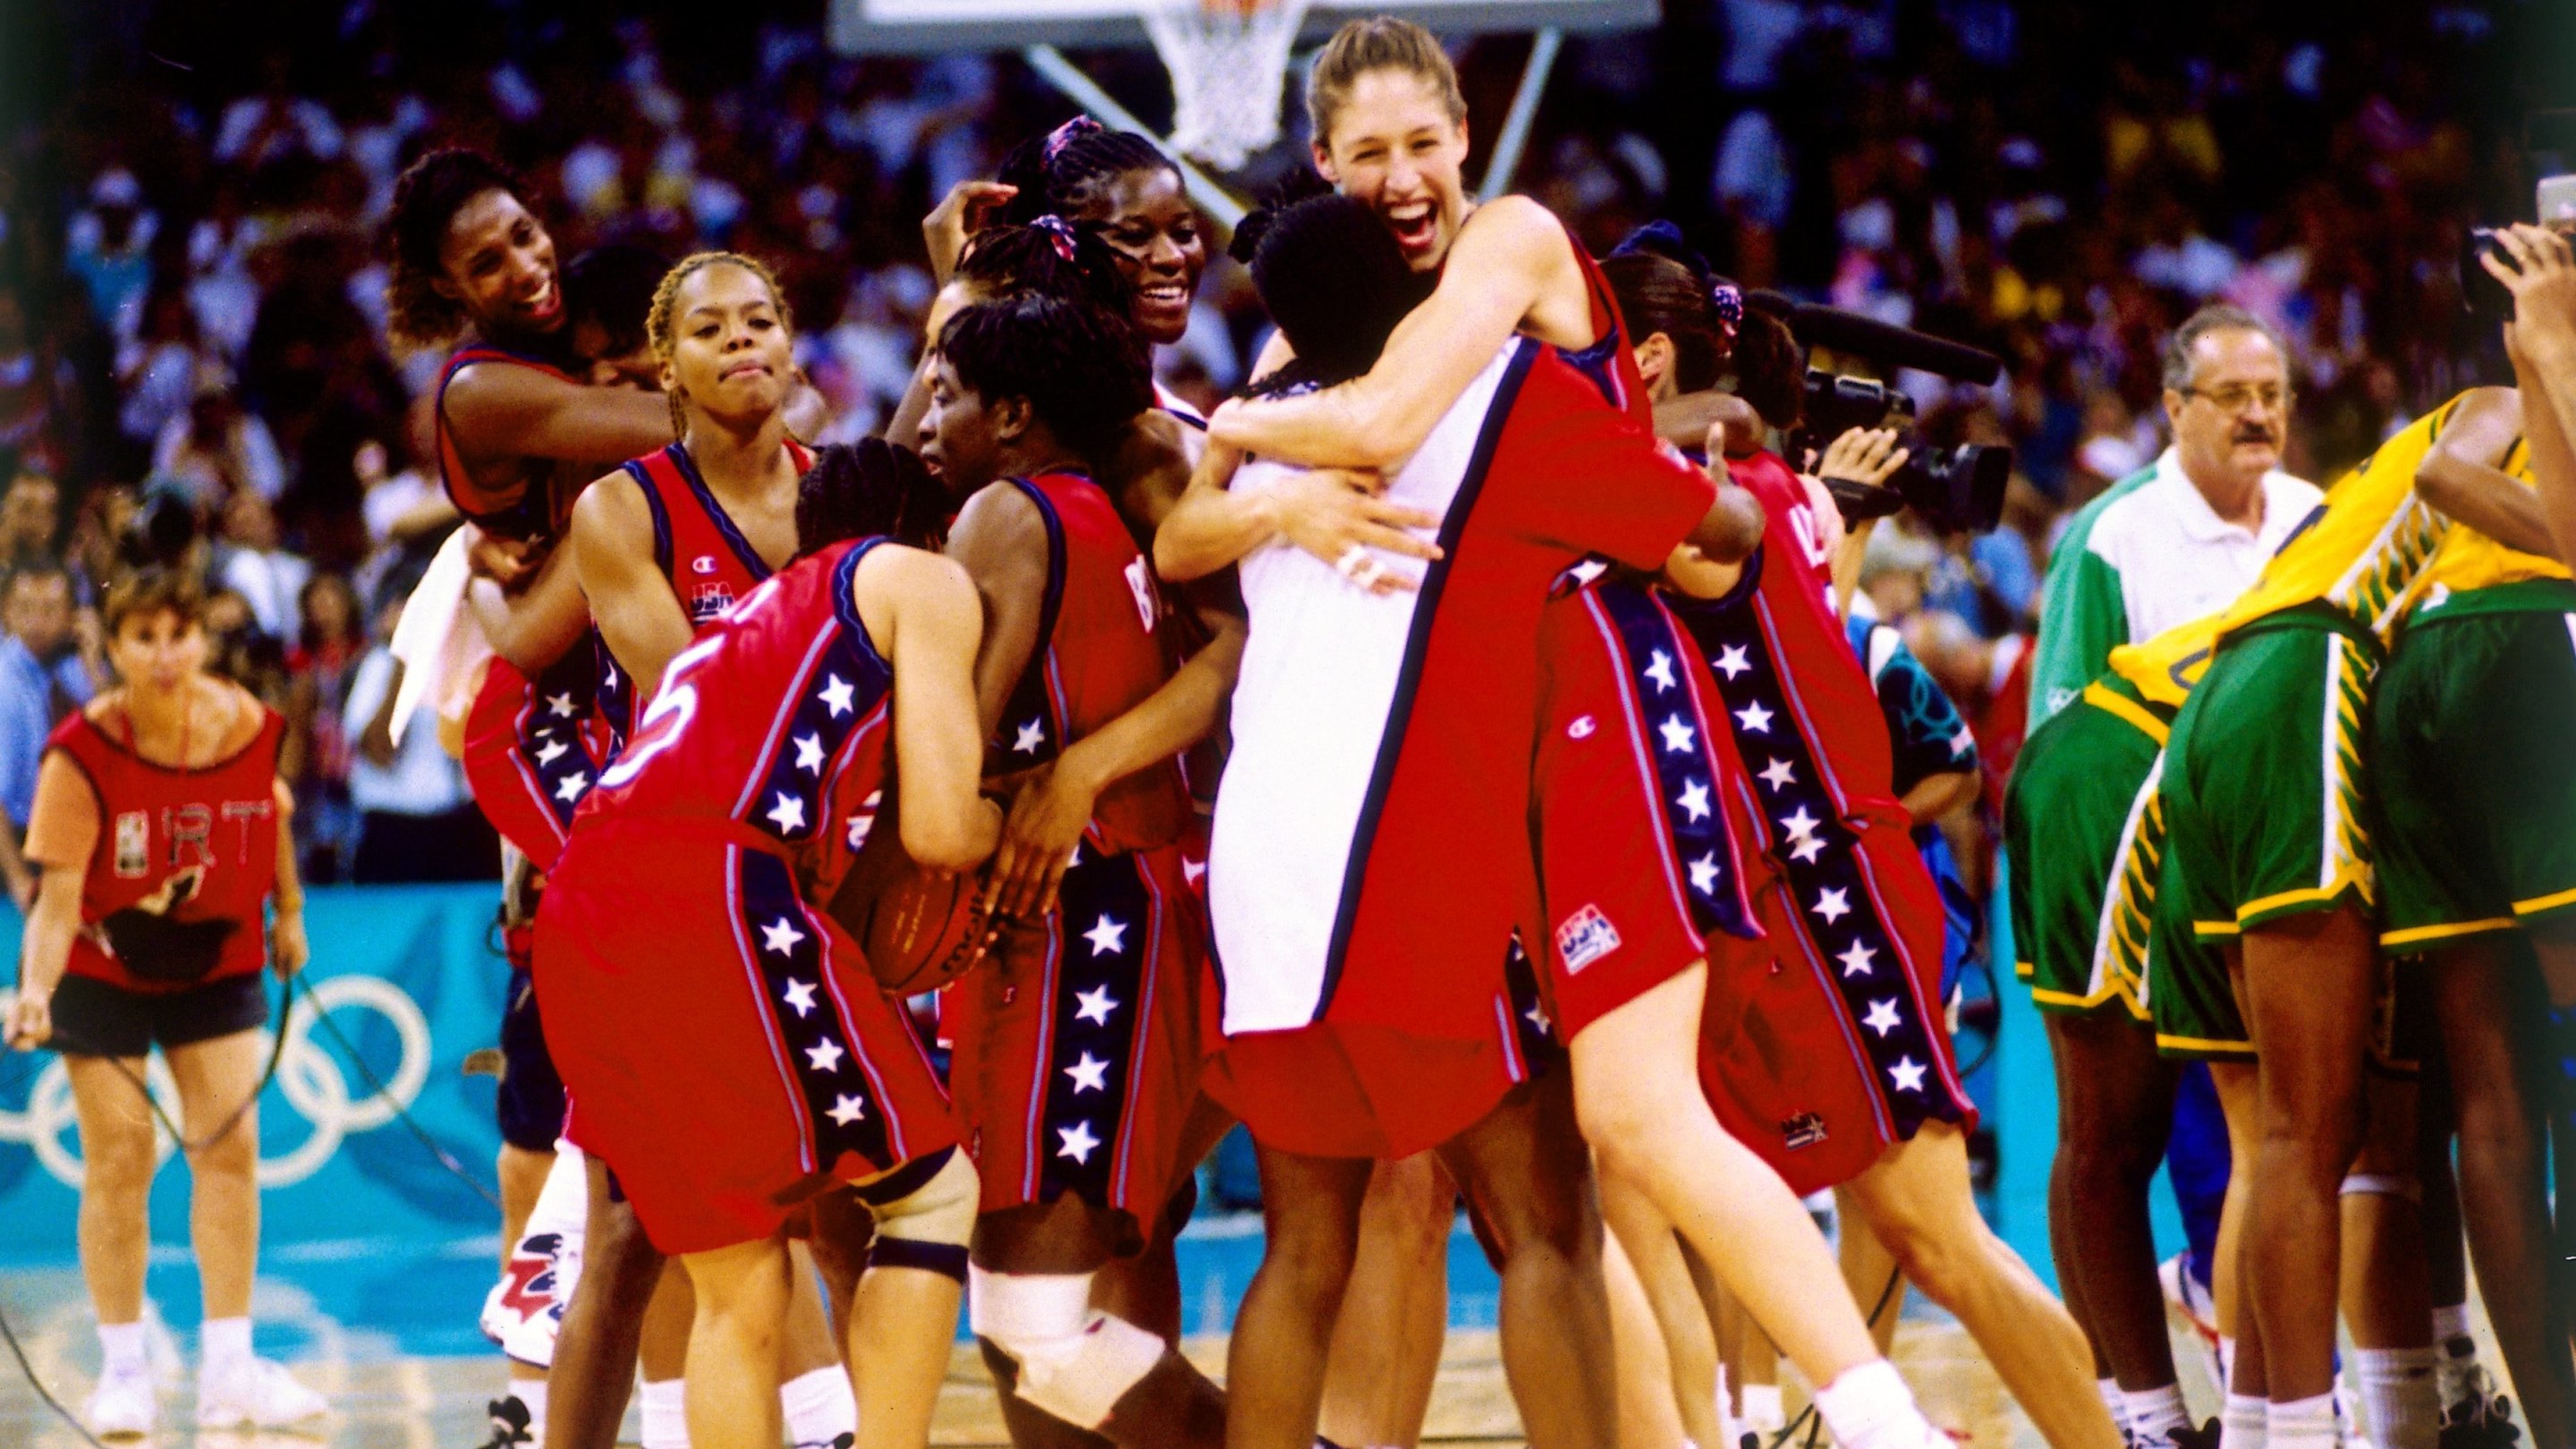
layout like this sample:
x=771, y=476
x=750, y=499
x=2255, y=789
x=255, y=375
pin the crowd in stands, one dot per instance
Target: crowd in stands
x=192, y=309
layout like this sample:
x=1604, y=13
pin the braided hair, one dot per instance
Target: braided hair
x=1048, y=256
x=870, y=487
x=1050, y=351
x=657, y=319
x=427, y=197
x=1064, y=171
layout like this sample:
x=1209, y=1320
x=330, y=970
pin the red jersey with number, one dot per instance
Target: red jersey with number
x=775, y=720
x=195, y=847
x=1103, y=640
x=539, y=504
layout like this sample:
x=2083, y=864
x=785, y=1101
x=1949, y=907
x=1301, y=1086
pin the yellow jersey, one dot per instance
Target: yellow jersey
x=2366, y=550
x=2163, y=669
x=2469, y=559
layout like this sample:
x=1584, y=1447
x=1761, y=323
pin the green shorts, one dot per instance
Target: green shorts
x=2193, y=998
x=2077, y=811
x=2189, y=993
x=2263, y=775
x=2473, y=763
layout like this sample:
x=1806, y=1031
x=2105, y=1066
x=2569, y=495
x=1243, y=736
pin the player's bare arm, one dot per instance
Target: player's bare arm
x=531, y=626
x=1512, y=269
x=2459, y=475
x=927, y=606
x=287, y=948
x=1725, y=423
x=611, y=543
x=1052, y=805
x=1000, y=540
x=1325, y=511
x=543, y=416
x=2542, y=342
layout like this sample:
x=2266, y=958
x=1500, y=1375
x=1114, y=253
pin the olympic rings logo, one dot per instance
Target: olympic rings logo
x=309, y=1077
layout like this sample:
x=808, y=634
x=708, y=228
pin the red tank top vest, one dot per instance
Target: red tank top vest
x=1106, y=645
x=709, y=563
x=534, y=507
x=775, y=722
x=194, y=847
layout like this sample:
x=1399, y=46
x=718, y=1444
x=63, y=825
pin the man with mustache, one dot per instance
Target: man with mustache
x=2172, y=543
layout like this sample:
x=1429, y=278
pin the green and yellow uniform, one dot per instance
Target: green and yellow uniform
x=2265, y=810
x=2086, y=832
x=2470, y=745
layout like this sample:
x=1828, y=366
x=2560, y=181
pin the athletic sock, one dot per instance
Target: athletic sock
x=1763, y=1412
x=2245, y=1423
x=2154, y=1416
x=223, y=1346
x=1869, y=1407
x=666, y=1414
x=532, y=1394
x=122, y=1349
x=1725, y=1403
x=2457, y=1375
x=818, y=1406
x=2301, y=1423
x=2401, y=1396
x=2116, y=1402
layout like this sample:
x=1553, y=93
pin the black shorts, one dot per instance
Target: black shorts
x=94, y=1018
x=531, y=1101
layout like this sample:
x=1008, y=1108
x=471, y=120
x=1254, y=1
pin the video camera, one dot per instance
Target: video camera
x=2487, y=300
x=1955, y=490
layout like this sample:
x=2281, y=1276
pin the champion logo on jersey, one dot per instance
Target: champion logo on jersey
x=704, y=563
x=1585, y=937
x=1581, y=728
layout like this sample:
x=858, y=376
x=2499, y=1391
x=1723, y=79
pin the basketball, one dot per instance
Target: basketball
x=916, y=926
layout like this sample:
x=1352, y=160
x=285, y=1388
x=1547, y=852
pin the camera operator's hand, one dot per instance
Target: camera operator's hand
x=1865, y=456
x=2542, y=278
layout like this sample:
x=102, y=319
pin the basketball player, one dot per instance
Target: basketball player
x=1851, y=915
x=1076, y=1050
x=2475, y=862
x=1317, y=1090
x=2268, y=858
x=728, y=1049
x=654, y=552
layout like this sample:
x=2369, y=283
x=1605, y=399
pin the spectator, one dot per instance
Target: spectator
x=157, y=370
x=415, y=820
x=31, y=515
x=110, y=249
x=31, y=387
x=218, y=446
x=276, y=125
x=329, y=643
x=44, y=675
x=249, y=561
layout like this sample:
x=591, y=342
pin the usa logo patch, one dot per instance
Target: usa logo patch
x=1585, y=937
x=1804, y=1129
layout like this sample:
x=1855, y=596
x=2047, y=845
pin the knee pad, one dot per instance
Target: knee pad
x=1074, y=1363
x=2384, y=1184
x=925, y=1212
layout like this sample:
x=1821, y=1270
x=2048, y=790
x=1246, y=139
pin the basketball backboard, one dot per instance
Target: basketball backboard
x=918, y=26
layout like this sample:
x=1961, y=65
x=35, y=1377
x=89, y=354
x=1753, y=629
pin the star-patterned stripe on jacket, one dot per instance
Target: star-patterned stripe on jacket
x=1847, y=901
x=727, y=1044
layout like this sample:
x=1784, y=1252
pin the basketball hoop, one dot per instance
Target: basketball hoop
x=1228, y=60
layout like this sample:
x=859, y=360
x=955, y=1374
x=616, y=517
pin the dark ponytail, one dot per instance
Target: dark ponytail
x=1064, y=170
x=1665, y=286
x=869, y=488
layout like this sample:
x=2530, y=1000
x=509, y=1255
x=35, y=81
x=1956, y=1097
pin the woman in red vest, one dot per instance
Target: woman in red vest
x=160, y=827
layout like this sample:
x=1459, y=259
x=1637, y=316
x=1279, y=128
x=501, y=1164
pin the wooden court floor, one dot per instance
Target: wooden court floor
x=392, y=1402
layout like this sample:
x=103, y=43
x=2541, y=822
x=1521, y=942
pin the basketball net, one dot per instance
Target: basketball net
x=1228, y=60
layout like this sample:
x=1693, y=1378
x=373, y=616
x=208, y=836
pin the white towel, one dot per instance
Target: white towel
x=441, y=647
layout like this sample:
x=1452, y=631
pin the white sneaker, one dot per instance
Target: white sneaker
x=123, y=1404
x=259, y=1395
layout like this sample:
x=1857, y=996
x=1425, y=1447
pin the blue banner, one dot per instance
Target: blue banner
x=405, y=983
